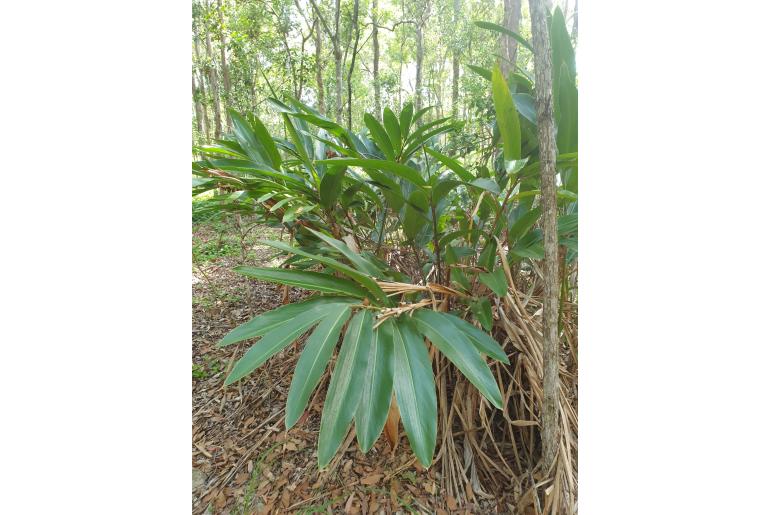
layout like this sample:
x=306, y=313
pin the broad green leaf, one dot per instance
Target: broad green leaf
x=487, y=74
x=415, y=215
x=561, y=45
x=506, y=116
x=486, y=184
x=567, y=224
x=418, y=141
x=273, y=342
x=452, y=164
x=502, y=30
x=567, y=133
x=415, y=389
x=345, y=387
x=247, y=139
x=266, y=322
x=405, y=119
x=460, y=278
x=403, y=171
x=312, y=363
x=523, y=224
x=308, y=280
x=482, y=309
x=366, y=281
x=442, y=188
x=496, y=281
x=270, y=150
x=456, y=346
x=525, y=105
x=488, y=255
x=377, y=389
x=484, y=343
x=356, y=259
x=393, y=129
x=331, y=186
x=379, y=136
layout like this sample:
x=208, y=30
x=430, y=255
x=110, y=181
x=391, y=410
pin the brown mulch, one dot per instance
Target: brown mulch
x=244, y=460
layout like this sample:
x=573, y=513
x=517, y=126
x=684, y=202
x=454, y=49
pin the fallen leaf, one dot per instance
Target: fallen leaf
x=372, y=479
x=349, y=504
x=451, y=503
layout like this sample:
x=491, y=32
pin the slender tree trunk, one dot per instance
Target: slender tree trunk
x=376, y=63
x=456, y=63
x=511, y=19
x=318, y=66
x=223, y=59
x=547, y=139
x=202, y=88
x=198, y=110
x=337, y=64
x=418, y=73
x=213, y=85
x=354, y=26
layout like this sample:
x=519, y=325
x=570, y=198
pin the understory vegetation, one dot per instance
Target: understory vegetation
x=421, y=244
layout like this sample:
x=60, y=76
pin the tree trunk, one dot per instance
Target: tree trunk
x=213, y=85
x=223, y=59
x=511, y=18
x=456, y=63
x=202, y=88
x=547, y=140
x=418, y=73
x=196, y=103
x=376, y=63
x=353, y=26
x=318, y=67
x=337, y=64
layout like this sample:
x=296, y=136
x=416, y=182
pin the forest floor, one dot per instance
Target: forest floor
x=243, y=459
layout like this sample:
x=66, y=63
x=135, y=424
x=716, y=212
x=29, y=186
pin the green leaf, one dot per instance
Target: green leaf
x=393, y=129
x=456, y=346
x=487, y=74
x=415, y=215
x=523, y=224
x=356, y=259
x=487, y=257
x=403, y=171
x=442, y=189
x=460, y=278
x=273, y=342
x=415, y=389
x=379, y=136
x=567, y=98
x=502, y=30
x=373, y=408
x=307, y=280
x=567, y=224
x=247, y=139
x=452, y=164
x=268, y=145
x=366, y=281
x=345, y=387
x=312, y=363
x=486, y=184
x=484, y=343
x=405, y=120
x=507, y=117
x=266, y=322
x=496, y=281
x=331, y=186
x=482, y=309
